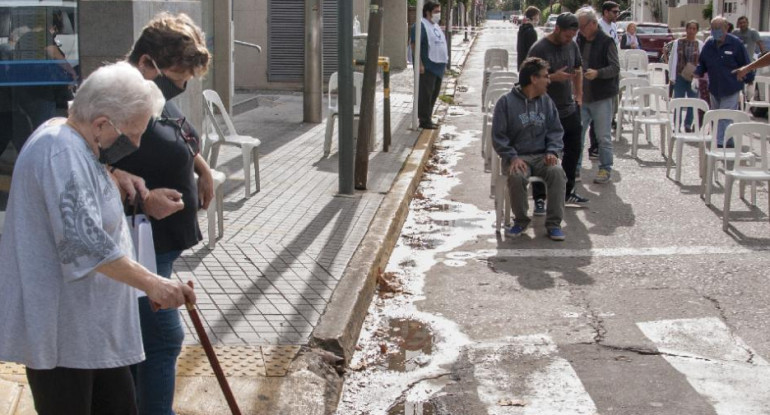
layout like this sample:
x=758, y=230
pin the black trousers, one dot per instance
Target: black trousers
x=573, y=145
x=83, y=391
x=430, y=86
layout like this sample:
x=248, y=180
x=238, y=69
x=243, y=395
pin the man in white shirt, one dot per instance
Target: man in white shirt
x=610, y=12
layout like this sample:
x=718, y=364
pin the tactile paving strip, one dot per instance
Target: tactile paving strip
x=236, y=361
x=12, y=369
x=278, y=358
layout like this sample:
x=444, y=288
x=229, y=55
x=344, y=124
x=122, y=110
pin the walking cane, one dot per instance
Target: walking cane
x=212, y=357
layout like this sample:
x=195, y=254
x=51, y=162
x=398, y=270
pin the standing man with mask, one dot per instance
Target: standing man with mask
x=721, y=55
x=600, y=86
x=566, y=91
x=749, y=37
x=433, y=61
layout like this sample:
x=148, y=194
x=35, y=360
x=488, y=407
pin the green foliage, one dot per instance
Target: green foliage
x=554, y=8
x=708, y=10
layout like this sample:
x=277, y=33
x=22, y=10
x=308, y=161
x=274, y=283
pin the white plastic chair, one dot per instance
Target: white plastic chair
x=635, y=60
x=503, y=197
x=333, y=102
x=761, y=83
x=627, y=74
x=493, y=96
x=679, y=135
x=743, y=134
x=714, y=154
x=658, y=74
x=495, y=60
x=249, y=145
x=628, y=107
x=654, y=111
x=215, y=213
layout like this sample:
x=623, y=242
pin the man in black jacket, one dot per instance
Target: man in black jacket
x=600, y=86
x=527, y=34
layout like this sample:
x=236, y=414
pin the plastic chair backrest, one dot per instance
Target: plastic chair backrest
x=493, y=75
x=761, y=83
x=635, y=59
x=628, y=85
x=653, y=99
x=215, y=102
x=658, y=69
x=493, y=95
x=496, y=58
x=712, y=118
x=506, y=82
x=756, y=136
x=333, y=100
x=626, y=74
x=678, y=113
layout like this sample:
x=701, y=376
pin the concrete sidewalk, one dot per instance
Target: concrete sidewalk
x=265, y=286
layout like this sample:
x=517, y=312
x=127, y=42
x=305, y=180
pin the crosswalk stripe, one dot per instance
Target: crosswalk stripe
x=718, y=364
x=551, y=387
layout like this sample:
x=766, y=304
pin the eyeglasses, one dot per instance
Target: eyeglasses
x=614, y=11
x=185, y=132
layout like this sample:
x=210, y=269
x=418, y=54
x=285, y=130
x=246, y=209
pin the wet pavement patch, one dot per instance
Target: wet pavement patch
x=415, y=345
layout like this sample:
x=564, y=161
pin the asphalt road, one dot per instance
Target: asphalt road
x=648, y=307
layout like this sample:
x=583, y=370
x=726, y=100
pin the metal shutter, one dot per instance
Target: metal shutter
x=286, y=40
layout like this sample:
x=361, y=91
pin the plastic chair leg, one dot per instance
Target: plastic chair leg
x=728, y=196
x=211, y=217
x=668, y=161
x=255, y=160
x=634, y=139
x=679, y=151
x=220, y=202
x=214, y=156
x=710, y=162
x=246, y=157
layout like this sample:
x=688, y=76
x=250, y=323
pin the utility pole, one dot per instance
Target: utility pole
x=345, y=95
x=367, y=93
x=313, y=88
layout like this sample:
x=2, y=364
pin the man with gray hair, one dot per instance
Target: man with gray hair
x=600, y=86
x=722, y=54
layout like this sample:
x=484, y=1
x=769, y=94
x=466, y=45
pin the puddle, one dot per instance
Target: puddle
x=415, y=345
x=413, y=408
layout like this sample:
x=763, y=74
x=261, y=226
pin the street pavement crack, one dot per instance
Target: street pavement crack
x=723, y=315
x=643, y=351
x=402, y=397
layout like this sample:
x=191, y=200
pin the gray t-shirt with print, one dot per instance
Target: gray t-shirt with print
x=749, y=38
x=559, y=56
x=65, y=219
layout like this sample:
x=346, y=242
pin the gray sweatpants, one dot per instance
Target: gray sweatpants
x=556, y=187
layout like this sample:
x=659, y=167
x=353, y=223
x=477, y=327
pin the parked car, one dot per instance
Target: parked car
x=550, y=23
x=652, y=37
x=516, y=18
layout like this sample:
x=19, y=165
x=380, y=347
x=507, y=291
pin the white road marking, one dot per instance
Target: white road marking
x=620, y=252
x=718, y=365
x=528, y=368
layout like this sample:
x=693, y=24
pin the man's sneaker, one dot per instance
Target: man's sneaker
x=515, y=230
x=539, y=207
x=575, y=199
x=603, y=176
x=593, y=154
x=556, y=234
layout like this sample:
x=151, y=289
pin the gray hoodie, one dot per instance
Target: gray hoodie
x=524, y=127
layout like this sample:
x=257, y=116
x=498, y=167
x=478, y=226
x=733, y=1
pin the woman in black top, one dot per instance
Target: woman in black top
x=171, y=51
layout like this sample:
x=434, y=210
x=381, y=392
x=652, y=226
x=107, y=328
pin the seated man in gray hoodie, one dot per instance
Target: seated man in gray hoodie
x=527, y=134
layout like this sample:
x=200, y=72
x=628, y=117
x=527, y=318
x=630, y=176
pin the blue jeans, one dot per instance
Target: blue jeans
x=600, y=113
x=729, y=102
x=162, y=335
x=683, y=89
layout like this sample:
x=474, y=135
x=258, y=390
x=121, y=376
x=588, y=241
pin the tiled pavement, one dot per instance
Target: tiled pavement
x=284, y=249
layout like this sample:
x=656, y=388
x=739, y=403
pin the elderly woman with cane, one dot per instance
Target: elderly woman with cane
x=69, y=310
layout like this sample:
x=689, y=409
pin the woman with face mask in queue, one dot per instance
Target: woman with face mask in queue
x=433, y=62
x=170, y=51
x=69, y=312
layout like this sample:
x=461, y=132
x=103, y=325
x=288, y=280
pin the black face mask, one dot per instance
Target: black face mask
x=167, y=87
x=119, y=149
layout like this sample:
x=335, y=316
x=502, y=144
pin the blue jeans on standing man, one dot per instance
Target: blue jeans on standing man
x=729, y=102
x=683, y=89
x=600, y=113
x=162, y=335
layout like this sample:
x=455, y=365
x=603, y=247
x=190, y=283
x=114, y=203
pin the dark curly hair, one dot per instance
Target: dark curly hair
x=173, y=41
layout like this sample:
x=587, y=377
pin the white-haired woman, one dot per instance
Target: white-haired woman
x=69, y=311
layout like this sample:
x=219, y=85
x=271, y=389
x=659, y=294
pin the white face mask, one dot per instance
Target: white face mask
x=436, y=18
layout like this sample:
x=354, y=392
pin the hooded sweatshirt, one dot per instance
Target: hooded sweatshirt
x=521, y=126
x=526, y=38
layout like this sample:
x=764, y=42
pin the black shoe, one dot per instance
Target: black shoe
x=575, y=200
x=428, y=126
x=539, y=207
x=593, y=154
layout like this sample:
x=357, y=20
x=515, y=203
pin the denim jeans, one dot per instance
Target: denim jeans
x=729, y=102
x=600, y=113
x=162, y=335
x=683, y=89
